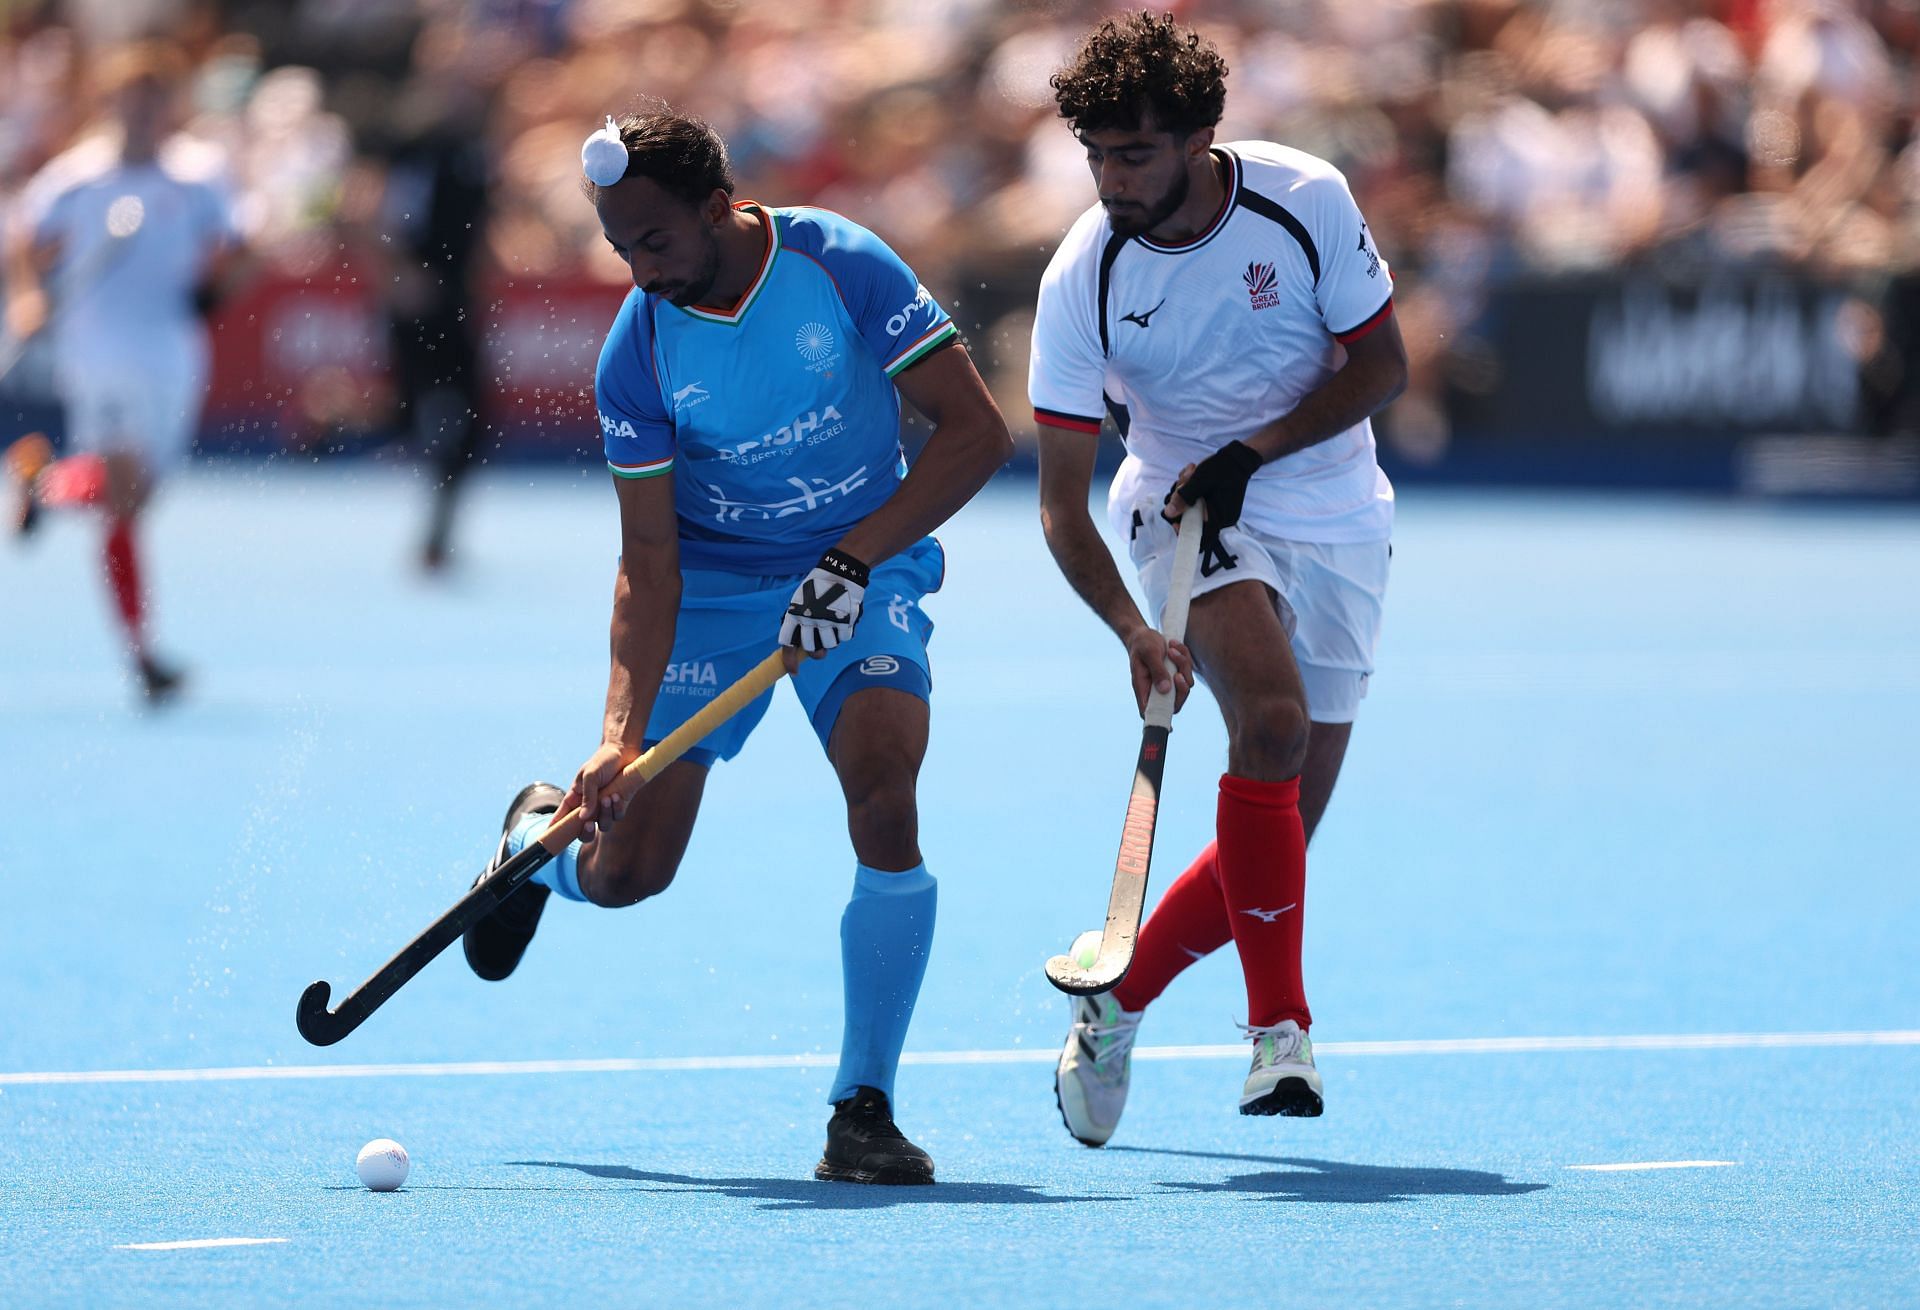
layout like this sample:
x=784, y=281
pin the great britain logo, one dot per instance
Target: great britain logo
x=1373, y=257
x=1263, y=285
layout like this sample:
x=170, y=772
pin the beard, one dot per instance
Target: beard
x=694, y=290
x=1134, y=221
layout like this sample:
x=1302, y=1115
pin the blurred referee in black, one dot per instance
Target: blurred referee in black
x=434, y=211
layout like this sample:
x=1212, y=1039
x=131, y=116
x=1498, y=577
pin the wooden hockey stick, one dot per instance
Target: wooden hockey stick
x=1127, y=902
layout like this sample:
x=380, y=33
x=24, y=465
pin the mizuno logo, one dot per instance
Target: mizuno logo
x=1268, y=916
x=1141, y=318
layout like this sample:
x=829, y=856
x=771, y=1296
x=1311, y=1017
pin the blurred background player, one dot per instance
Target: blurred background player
x=749, y=404
x=116, y=249
x=1226, y=304
x=435, y=206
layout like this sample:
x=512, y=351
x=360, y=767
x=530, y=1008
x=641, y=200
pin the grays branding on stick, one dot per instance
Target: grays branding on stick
x=324, y=1027
x=1128, y=900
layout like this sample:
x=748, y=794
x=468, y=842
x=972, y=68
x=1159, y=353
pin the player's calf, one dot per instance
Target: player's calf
x=613, y=883
x=27, y=458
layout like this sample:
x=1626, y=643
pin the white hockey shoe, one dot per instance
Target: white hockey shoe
x=1090, y=1083
x=1283, y=1079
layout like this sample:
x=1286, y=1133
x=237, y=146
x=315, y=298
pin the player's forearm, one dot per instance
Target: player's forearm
x=959, y=458
x=1088, y=567
x=1361, y=388
x=25, y=306
x=28, y=262
x=646, y=603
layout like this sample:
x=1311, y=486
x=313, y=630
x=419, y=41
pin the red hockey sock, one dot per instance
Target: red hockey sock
x=1189, y=924
x=123, y=575
x=1263, y=878
x=75, y=480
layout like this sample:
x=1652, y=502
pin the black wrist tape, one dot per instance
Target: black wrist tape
x=843, y=565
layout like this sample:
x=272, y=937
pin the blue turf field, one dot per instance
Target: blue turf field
x=1629, y=768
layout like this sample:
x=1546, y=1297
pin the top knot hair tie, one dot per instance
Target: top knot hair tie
x=603, y=157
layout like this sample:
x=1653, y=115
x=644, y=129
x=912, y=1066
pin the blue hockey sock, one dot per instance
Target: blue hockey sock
x=562, y=872
x=885, y=935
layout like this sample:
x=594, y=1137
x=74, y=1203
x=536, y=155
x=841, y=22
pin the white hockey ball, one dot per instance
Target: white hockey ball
x=383, y=1164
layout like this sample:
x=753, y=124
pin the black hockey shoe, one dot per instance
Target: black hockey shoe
x=495, y=944
x=864, y=1145
x=159, y=683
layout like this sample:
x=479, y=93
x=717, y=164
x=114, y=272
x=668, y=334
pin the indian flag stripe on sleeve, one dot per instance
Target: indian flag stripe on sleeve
x=935, y=338
x=649, y=470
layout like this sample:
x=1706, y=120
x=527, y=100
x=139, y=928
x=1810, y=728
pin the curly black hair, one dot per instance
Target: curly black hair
x=684, y=155
x=1142, y=68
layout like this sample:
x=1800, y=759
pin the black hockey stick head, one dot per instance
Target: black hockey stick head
x=324, y=1027
x=318, y=1024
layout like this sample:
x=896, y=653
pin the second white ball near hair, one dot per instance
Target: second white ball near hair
x=603, y=157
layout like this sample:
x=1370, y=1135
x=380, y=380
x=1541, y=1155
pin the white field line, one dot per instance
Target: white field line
x=200, y=1244
x=1654, y=1164
x=825, y=1060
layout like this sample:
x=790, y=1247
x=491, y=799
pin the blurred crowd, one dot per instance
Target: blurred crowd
x=1485, y=139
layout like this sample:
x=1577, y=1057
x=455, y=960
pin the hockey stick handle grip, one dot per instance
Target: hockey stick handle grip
x=1173, y=620
x=652, y=763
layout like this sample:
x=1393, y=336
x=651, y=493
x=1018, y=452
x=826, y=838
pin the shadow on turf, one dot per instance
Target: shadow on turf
x=806, y=1194
x=1338, y=1183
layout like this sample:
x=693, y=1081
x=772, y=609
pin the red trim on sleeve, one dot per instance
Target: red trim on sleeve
x=830, y=277
x=1355, y=333
x=1072, y=422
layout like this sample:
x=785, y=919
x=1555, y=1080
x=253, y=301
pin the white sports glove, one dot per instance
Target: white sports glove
x=826, y=605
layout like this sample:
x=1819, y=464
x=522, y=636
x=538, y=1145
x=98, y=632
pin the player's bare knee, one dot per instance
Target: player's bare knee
x=884, y=815
x=878, y=773
x=1269, y=738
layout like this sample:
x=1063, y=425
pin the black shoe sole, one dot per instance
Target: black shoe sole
x=892, y=1175
x=1291, y=1098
